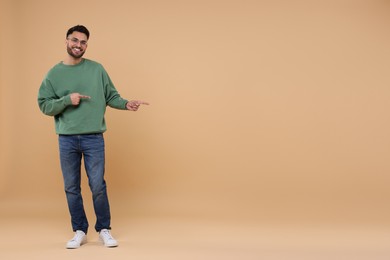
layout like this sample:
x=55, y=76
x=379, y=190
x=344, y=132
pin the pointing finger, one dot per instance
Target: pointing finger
x=84, y=96
x=142, y=103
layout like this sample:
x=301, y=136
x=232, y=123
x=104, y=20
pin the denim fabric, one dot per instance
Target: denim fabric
x=72, y=149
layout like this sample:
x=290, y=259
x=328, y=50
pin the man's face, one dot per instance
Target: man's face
x=76, y=44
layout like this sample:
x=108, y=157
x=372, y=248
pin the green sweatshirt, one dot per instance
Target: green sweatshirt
x=87, y=78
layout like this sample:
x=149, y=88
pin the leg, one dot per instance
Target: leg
x=94, y=158
x=70, y=157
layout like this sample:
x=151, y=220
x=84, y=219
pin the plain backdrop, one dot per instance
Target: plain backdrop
x=261, y=111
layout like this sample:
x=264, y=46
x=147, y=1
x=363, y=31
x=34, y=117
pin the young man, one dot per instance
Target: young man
x=76, y=92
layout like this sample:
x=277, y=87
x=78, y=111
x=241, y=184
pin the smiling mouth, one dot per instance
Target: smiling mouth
x=75, y=51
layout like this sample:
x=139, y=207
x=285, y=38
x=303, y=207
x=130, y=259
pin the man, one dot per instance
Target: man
x=76, y=92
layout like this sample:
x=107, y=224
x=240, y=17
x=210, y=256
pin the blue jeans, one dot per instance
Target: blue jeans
x=72, y=149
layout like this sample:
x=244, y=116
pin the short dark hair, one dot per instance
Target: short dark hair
x=78, y=28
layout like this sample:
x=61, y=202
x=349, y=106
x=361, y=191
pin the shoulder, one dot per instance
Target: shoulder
x=95, y=66
x=54, y=70
x=92, y=63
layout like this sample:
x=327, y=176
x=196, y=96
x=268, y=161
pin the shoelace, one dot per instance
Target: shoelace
x=106, y=234
x=77, y=237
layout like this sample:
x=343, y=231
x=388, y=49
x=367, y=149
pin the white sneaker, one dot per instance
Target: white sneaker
x=78, y=239
x=107, y=239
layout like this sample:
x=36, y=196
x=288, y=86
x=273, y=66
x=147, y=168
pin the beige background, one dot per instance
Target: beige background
x=267, y=134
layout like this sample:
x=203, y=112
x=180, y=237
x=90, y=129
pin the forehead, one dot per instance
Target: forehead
x=78, y=35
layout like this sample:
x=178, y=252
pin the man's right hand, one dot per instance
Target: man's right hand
x=76, y=98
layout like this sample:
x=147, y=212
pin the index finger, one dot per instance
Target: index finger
x=142, y=103
x=84, y=96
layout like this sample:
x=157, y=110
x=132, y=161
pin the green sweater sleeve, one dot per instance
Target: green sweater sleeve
x=49, y=103
x=113, y=98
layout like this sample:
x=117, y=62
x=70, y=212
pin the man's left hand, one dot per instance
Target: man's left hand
x=133, y=105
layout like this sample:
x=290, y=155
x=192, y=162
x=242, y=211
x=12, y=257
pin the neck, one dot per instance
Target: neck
x=69, y=60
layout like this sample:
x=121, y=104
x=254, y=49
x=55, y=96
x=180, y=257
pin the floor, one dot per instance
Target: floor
x=40, y=234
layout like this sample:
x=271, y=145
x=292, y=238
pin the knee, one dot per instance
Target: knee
x=72, y=189
x=97, y=189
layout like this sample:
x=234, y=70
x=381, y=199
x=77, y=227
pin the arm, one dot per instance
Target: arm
x=49, y=103
x=113, y=98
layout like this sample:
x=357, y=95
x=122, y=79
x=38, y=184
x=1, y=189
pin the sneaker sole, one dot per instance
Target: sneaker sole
x=101, y=240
